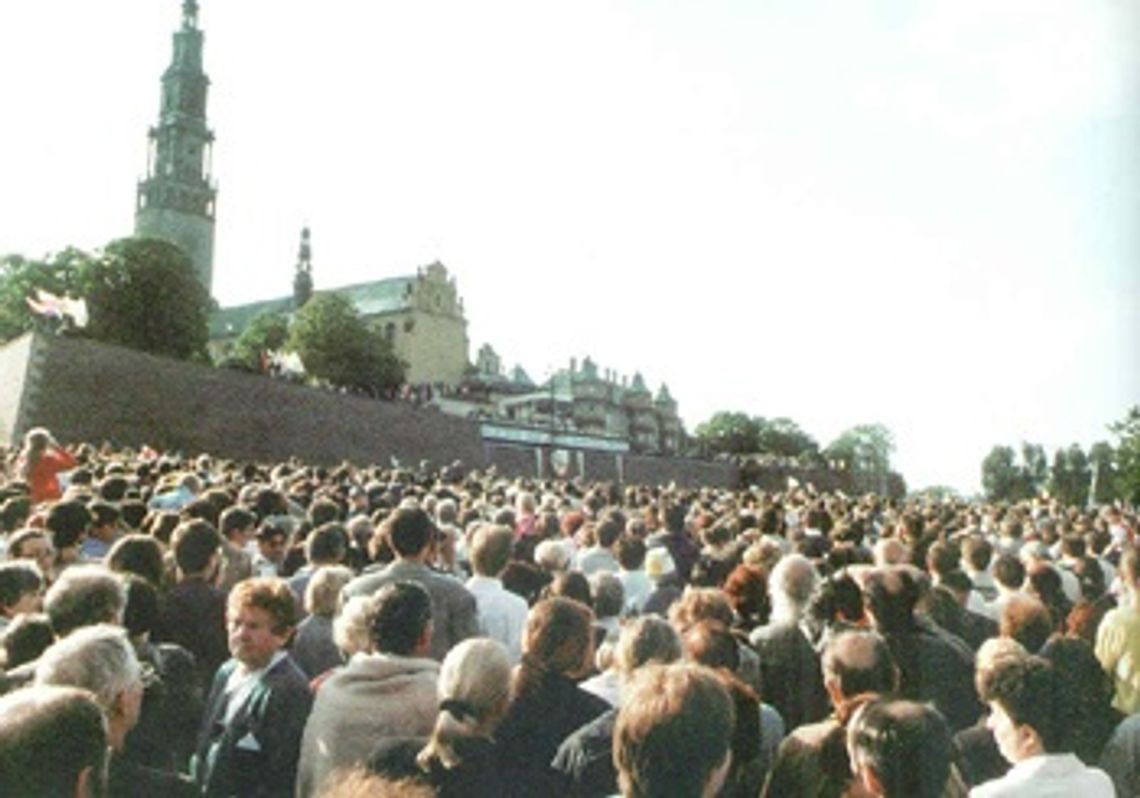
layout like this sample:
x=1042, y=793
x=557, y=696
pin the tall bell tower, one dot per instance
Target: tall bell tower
x=176, y=198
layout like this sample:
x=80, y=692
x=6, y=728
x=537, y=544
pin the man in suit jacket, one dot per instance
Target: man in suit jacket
x=250, y=738
x=453, y=608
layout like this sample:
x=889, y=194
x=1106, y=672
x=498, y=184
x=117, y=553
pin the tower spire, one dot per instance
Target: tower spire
x=303, y=278
x=176, y=198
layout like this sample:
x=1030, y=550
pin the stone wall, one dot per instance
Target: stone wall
x=85, y=391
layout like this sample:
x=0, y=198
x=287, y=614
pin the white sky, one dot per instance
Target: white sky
x=921, y=213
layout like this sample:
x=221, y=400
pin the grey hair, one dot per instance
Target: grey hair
x=352, y=627
x=791, y=586
x=85, y=595
x=551, y=556
x=646, y=639
x=97, y=658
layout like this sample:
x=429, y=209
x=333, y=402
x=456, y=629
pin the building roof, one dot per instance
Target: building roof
x=372, y=298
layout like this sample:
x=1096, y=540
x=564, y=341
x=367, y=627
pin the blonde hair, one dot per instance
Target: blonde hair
x=474, y=691
x=352, y=627
x=323, y=590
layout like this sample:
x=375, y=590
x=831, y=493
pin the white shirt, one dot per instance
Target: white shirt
x=637, y=587
x=502, y=614
x=1046, y=776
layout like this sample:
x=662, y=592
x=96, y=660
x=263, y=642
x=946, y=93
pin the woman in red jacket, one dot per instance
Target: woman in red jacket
x=41, y=460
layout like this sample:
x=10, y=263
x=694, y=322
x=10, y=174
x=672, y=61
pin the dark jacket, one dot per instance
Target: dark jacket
x=194, y=616
x=535, y=726
x=790, y=674
x=478, y=775
x=254, y=755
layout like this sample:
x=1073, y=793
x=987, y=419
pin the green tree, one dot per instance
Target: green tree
x=1102, y=461
x=336, y=345
x=143, y=293
x=20, y=278
x=1034, y=468
x=782, y=436
x=728, y=432
x=863, y=449
x=1002, y=479
x=1127, y=432
x=267, y=331
x=1069, y=476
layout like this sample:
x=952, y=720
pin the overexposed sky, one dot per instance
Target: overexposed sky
x=921, y=213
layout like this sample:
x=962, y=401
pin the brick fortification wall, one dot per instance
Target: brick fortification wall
x=85, y=391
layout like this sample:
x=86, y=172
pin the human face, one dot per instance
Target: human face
x=39, y=550
x=252, y=639
x=273, y=549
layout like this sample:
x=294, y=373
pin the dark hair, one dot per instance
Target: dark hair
x=410, y=529
x=195, y=542
x=892, y=594
x=1088, y=718
x=26, y=638
x=942, y=558
x=631, y=552
x=18, y=578
x=141, y=612
x=327, y=543
x=1028, y=690
x=133, y=513
x=1009, y=571
x=67, y=521
x=103, y=513
x=323, y=511
x=608, y=532
x=572, y=585
x=138, y=554
x=977, y=551
x=234, y=519
x=14, y=512
x=709, y=643
x=907, y=745
x=1026, y=620
x=402, y=613
x=48, y=737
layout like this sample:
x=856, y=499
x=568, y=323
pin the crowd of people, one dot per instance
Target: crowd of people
x=195, y=626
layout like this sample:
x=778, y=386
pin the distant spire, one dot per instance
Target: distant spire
x=190, y=13
x=303, y=279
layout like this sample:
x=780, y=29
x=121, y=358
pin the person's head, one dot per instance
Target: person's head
x=491, y=549
x=272, y=541
x=558, y=639
x=323, y=591
x=327, y=544
x=747, y=591
x=53, y=742
x=607, y=595
x=900, y=749
x=32, y=544
x=236, y=525
x=84, y=595
x=14, y=512
x=552, y=556
x=891, y=595
x=474, y=693
x=197, y=548
x=21, y=588
x=644, y=640
x=68, y=522
x=698, y=604
x=26, y=638
x=1024, y=699
x=1009, y=572
x=608, y=532
x=572, y=585
x=99, y=659
x=992, y=654
x=670, y=709
x=976, y=553
x=858, y=662
x=401, y=620
x=138, y=554
x=352, y=627
x=260, y=616
x=411, y=532
x=711, y=644
x=140, y=616
x=1026, y=620
x=104, y=520
x=790, y=586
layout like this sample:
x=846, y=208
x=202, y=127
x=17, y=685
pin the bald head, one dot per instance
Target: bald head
x=859, y=662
